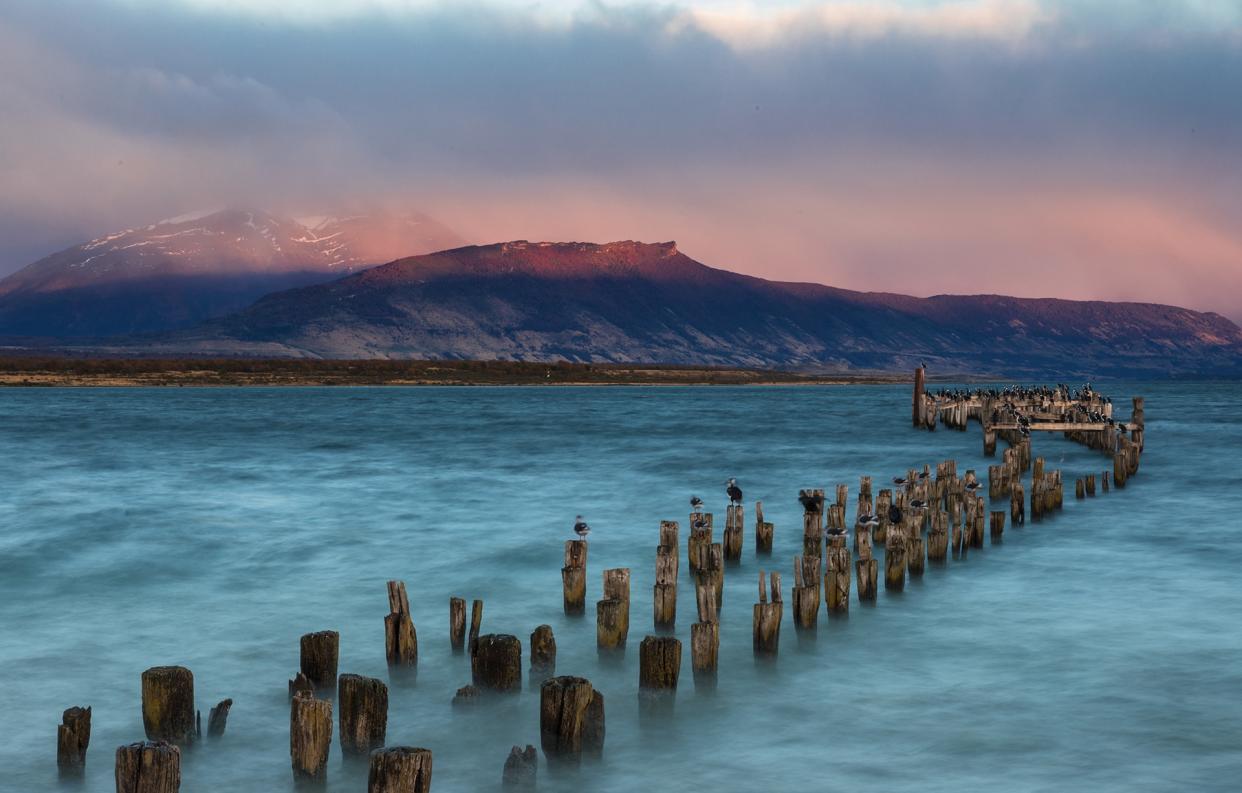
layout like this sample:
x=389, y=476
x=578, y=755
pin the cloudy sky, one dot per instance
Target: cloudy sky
x=1036, y=147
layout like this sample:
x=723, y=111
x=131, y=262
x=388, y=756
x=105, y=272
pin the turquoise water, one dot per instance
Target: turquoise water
x=1099, y=650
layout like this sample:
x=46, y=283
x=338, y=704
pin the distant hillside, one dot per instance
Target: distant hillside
x=634, y=302
x=179, y=272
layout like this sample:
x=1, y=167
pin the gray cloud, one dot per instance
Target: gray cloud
x=656, y=121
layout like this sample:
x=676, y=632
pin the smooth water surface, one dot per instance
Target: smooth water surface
x=1099, y=650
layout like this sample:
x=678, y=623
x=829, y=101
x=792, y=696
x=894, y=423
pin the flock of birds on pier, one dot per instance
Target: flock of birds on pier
x=1060, y=391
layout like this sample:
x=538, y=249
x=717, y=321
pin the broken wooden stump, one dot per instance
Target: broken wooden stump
x=457, y=624
x=400, y=769
x=300, y=683
x=1090, y=485
x=542, y=654
x=168, y=705
x=521, y=768
x=73, y=736
x=496, y=664
x=573, y=576
x=763, y=532
x=704, y=653
x=617, y=587
x=467, y=696
x=476, y=622
x=1080, y=489
x=362, y=705
x=1017, y=505
x=997, y=525
x=400, y=638
x=700, y=539
x=659, y=664
x=310, y=737
x=895, y=561
x=837, y=579
x=320, y=651
x=938, y=537
x=610, y=624
x=664, y=593
x=571, y=719
x=812, y=521
x=732, y=541
x=218, y=718
x=805, y=592
x=148, y=767
x=766, y=627
x=916, y=554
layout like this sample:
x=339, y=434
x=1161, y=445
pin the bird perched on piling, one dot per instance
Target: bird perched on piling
x=836, y=531
x=734, y=492
x=900, y=481
x=894, y=514
x=868, y=520
x=973, y=486
x=696, y=504
x=918, y=503
x=581, y=528
x=811, y=501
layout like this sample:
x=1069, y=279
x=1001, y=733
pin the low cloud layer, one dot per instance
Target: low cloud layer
x=1036, y=148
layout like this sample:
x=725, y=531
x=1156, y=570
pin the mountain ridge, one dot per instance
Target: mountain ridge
x=626, y=302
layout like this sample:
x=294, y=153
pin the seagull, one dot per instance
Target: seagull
x=918, y=503
x=735, y=492
x=836, y=531
x=894, y=514
x=923, y=475
x=581, y=528
x=811, y=502
x=868, y=520
x=973, y=486
x=900, y=481
x=696, y=503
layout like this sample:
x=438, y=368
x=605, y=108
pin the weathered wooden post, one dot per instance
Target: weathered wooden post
x=864, y=499
x=148, y=767
x=664, y=596
x=882, y=503
x=1080, y=489
x=763, y=532
x=812, y=522
x=400, y=638
x=168, y=705
x=998, y=525
x=400, y=769
x=767, y=618
x=1090, y=485
x=711, y=573
x=362, y=704
x=989, y=441
x=700, y=540
x=1104, y=481
x=496, y=664
x=521, y=768
x=573, y=576
x=217, y=718
x=298, y=684
x=457, y=624
x=920, y=403
x=320, y=651
x=613, y=612
x=73, y=736
x=1017, y=505
x=938, y=536
x=310, y=736
x=704, y=653
x=916, y=547
x=659, y=664
x=571, y=719
x=1138, y=422
x=895, y=561
x=1120, y=469
x=476, y=624
x=542, y=654
x=806, y=592
x=837, y=579
x=733, y=533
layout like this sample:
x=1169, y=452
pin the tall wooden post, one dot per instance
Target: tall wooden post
x=400, y=639
x=362, y=704
x=573, y=576
x=310, y=736
x=919, y=418
x=733, y=533
x=763, y=532
x=837, y=579
x=457, y=624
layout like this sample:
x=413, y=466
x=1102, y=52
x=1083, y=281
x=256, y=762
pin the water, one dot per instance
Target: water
x=1098, y=650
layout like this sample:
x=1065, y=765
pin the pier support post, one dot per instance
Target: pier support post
x=767, y=618
x=148, y=767
x=521, y=769
x=571, y=719
x=457, y=624
x=168, y=705
x=763, y=532
x=400, y=769
x=310, y=737
x=659, y=664
x=573, y=576
x=496, y=664
x=733, y=534
x=73, y=736
x=320, y=651
x=400, y=638
x=837, y=579
x=895, y=561
x=362, y=704
x=542, y=654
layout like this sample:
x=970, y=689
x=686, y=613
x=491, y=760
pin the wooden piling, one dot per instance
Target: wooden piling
x=521, y=769
x=767, y=619
x=1090, y=485
x=919, y=416
x=148, y=767
x=812, y=524
x=867, y=573
x=704, y=652
x=400, y=638
x=73, y=736
x=895, y=562
x=1080, y=489
x=916, y=553
x=571, y=719
x=400, y=769
x=805, y=592
x=542, y=653
x=1017, y=505
x=837, y=579
x=217, y=718
x=659, y=664
x=320, y=651
x=496, y=664
x=310, y=737
x=732, y=541
x=298, y=684
x=763, y=532
x=610, y=628
x=998, y=525
x=476, y=624
x=1104, y=481
x=168, y=705
x=617, y=587
x=362, y=713
x=699, y=541
x=457, y=624
x=573, y=576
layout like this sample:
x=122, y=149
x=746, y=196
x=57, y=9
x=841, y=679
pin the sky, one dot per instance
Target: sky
x=1064, y=148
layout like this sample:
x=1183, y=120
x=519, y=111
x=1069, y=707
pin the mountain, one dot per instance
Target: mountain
x=635, y=302
x=181, y=271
